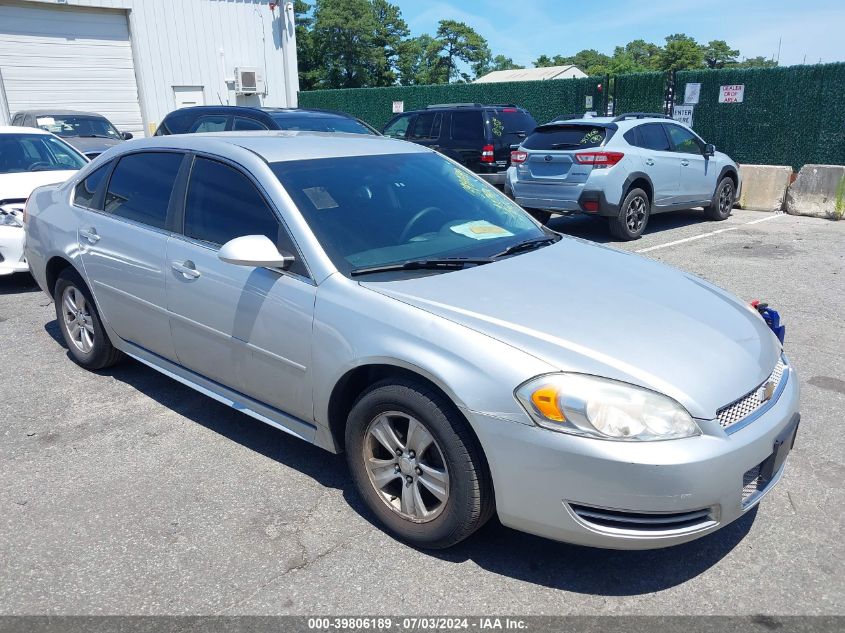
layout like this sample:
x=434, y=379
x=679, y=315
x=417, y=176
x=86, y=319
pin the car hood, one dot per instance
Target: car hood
x=587, y=308
x=18, y=185
x=88, y=145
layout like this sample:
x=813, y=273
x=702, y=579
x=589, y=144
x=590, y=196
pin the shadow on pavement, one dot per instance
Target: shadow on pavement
x=17, y=283
x=595, y=228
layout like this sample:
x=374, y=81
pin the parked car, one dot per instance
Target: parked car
x=625, y=168
x=242, y=118
x=477, y=136
x=371, y=296
x=90, y=133
x=28, y=159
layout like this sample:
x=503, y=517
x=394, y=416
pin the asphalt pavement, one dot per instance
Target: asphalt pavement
x=124, y=492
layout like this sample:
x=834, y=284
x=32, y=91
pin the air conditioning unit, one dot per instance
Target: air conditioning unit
x=248, y=81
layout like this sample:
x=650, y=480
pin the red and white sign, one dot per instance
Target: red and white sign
x=732, y=94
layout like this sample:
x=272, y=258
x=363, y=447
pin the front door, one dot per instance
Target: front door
x=123, y=246
x=248, y=328
x=698, y=174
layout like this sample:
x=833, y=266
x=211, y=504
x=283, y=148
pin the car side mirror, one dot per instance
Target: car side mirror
x=254, y=250
x=709, y=149
x=126, y=135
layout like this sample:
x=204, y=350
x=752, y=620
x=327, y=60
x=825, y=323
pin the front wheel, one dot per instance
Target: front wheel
x=723, y=202
x=633, y=216
x=417, y=465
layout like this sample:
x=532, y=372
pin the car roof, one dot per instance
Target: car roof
x=17, y=129
x=282, y=145
x=267, y=110
x=59, y=111
x=464, y=106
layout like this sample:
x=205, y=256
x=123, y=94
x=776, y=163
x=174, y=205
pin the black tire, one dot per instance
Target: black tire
x=101, y=353
x=633, y=216
x=470, y=501
x=540, y=215
x=723, y=201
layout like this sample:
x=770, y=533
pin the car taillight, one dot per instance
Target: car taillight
x=599, y=159
x=517, y=157
x=487, y=154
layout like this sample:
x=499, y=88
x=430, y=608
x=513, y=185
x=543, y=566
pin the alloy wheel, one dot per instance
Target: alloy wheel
x=77, y=318
x=406, y=466
x=635, y=214
x=726, y=199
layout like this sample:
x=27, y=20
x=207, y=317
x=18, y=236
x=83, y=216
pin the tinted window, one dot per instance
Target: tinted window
x=653, y=137
x=36, y=152
x=244, y=124
x=140, y=187
x=209, y=123
x=427, y=126
x=467, y=126
x=511, y=124
x=565, y=137
x=398, y=127
x=684, y=141
x=320, y=122
x=83, y=195
x=175, y=123
x=74, y=125
x=18, y=120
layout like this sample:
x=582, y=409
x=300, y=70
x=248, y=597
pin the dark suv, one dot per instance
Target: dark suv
x=244, y=118
x=477, y=136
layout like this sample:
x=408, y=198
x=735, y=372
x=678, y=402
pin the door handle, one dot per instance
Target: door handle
x=90, y=235
x=685, y=163
x=649, y=162
x=186, y=268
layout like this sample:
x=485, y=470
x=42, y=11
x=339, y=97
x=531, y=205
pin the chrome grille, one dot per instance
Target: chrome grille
x=750, y=402
x=644, y=521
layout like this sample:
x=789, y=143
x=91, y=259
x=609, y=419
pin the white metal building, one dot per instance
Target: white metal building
x=531, y=74
x=134, y=61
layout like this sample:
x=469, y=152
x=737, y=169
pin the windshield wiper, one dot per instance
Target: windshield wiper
x=443, y=263
x=527, y=245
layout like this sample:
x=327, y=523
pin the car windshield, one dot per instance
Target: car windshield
x=320, y=123
x=36, y=152
x=68, y=126
x=370, y=211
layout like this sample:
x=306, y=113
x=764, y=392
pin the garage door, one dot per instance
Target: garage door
x=71, y=58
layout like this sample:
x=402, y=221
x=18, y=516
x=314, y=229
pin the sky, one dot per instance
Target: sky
x=811, y=30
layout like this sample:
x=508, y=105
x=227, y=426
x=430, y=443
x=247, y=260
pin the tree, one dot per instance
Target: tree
x=417, y=60
x=309, y=68
x=390, y=31
x=644, y=54
x=756, y=62
x=455, y=41
x=344, y=32
x=500, y=62
x=681, y=52
x=717, y=54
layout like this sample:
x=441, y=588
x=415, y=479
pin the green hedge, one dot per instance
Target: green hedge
x=543, y=99
x=789, y=116
x=639, y=92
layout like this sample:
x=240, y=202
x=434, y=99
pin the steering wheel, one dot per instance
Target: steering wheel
x=419, y=216
x=35, y=166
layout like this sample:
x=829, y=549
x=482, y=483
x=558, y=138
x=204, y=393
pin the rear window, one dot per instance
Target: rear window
x=511, y=122
x=468, y=126
x=320, y=123
x=566, y=137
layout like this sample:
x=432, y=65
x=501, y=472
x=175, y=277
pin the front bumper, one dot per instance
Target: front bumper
x=556, y=485
x=11, y=250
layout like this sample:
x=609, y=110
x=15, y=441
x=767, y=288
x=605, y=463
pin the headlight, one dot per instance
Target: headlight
x=603, y=408
x=9, y=219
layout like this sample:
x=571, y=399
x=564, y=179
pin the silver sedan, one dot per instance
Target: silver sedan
x=370, y=296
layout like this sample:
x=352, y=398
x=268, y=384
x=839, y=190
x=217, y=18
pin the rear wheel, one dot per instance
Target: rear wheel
x=633, y=216
x=723, y=202
x=417, y=465
x=79, y=321
x=540, y=215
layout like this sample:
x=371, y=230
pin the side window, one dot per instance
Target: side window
x=467, y=126
x=86, y=191
x=244, y=124
x=684, y=141
x=140, y=187
x=222, y=204
x=209, y=123
x=632, y=137
x=652, y=136
x=398, y=128
x=18, y=120
x=427, y=126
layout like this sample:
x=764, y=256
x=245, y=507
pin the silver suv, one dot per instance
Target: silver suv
x=625, y=168
x=371, y=296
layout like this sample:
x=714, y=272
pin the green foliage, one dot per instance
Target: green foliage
x=756, y=62
x=717, y=54
x=390, y=31
x=543, y=99
x=681, y=52
x=455, y=41
x=344, y=33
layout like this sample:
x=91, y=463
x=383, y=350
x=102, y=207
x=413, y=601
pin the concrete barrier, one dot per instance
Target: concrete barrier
x=819, y=191
x=764, y=187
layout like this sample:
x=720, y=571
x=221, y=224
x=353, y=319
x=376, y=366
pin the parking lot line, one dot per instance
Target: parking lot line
x=703, y=235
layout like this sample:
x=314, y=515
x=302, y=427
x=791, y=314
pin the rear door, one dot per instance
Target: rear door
x=123, y=243
x=425, y=129
x=509, y=126
x=660, y=162
x=698, y=173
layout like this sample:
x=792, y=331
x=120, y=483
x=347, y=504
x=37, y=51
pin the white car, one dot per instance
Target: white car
x=29, y=158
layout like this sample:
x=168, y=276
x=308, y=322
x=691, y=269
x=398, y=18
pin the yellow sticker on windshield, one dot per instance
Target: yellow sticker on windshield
x=480, y=230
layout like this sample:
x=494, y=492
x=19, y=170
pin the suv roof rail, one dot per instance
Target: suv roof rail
x=503, y=105
x=453, y=105
x=640, y=115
